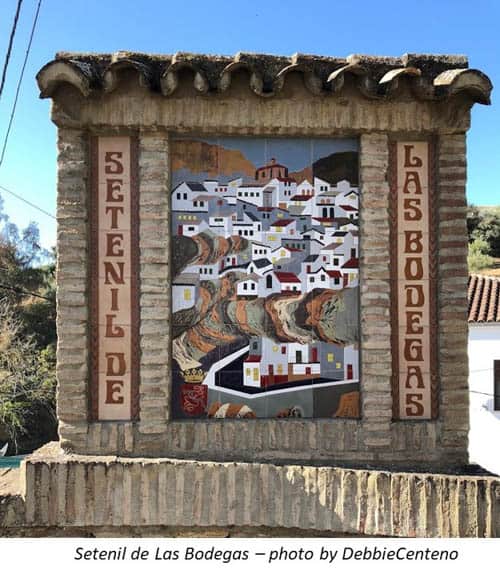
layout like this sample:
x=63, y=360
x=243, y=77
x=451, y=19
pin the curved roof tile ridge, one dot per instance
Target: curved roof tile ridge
x=431, y=76
x=483, y=294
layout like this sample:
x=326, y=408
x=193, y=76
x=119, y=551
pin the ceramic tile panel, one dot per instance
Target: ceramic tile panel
x=265, y=282
x=113, y=278
x=413, y=269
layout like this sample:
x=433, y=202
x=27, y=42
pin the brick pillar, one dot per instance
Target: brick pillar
x=375, y=285
x=452, y=296
x=72, y=311
x=154, y=245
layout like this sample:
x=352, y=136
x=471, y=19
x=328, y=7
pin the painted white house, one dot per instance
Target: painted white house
x=248, y=287
x=221, y=225
x=266, y=363
x=304, y=201
x=251, y=193
x=208, y=271
x=249, y=226
x=284, y=227
x=288, y=281
x=350, y=271
x=260, y=250
x=259, y=266
x=484, y=371
x=346, y=211
x=305, y=188
x=192, y=228
x=183, y=197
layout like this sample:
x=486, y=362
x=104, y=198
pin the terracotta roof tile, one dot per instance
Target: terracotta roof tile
x=285, y=277
x=484, y=299
x=432, y=76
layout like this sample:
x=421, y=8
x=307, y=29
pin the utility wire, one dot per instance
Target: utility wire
x=9, y=48
x=23, y=291
x=27, y=202
x=13, y=111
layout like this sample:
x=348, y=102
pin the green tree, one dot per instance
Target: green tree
x=478, y=257
x=473, y=220
x=488, y=228
x=27, y=378
x=484, y=223
x=27, y=337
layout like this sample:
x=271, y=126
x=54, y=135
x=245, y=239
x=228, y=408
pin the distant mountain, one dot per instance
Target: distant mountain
x=211, y=159
x=305, y=173
x=214, y=161
x=337, y=166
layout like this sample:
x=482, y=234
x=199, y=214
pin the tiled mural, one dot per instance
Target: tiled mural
x=265, y=248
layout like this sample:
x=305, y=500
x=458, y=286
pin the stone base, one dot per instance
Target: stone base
x=108, y=496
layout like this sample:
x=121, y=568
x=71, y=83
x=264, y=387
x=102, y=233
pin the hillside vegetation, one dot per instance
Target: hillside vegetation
x=483, y=226
x=27, y=339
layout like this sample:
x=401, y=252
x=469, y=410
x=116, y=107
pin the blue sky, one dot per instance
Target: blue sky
x=326, y=27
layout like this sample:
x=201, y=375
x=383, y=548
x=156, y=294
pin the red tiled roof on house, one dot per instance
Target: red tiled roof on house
x=272, y=163
x=334, y=273
x=285, y=277
x=282, y=222
x=302, y=198
x=252, y=359
x=351, y=264
x=349, y=208
x=484, y=299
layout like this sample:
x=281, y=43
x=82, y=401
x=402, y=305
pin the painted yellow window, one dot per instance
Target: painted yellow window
x=256, y=374
x=338, y=365
x=248, y=371
x=275, y=348
x=187, y=294
x=330, y=357
x=280, y=369
x=278, y=229
x=282, y=253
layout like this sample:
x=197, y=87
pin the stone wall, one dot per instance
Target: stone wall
x=113, y=495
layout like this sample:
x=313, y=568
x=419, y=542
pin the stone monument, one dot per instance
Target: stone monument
x=262, y=310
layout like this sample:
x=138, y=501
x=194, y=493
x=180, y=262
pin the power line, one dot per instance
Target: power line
x=27, y=202
x=23, y=291
x=13, y=111
x=9, y=48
